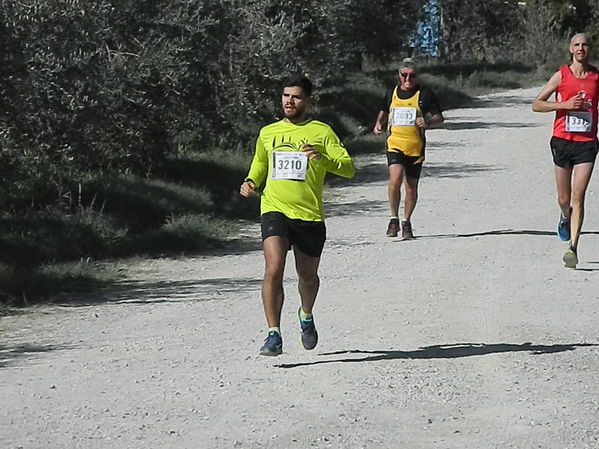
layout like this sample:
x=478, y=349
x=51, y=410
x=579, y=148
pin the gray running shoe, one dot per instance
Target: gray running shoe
x=273, y=344
x=309, y=334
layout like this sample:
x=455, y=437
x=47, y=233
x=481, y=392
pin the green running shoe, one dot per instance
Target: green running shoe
x=570, y=258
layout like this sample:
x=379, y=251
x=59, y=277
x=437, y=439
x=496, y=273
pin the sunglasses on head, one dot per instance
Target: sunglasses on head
x=407, y=75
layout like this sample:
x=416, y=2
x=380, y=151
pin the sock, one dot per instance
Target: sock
x=276, y=329
x=573, y=249
x=395, y=218
x=304, y=316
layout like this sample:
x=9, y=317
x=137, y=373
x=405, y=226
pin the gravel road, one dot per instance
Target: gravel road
x=473, y=335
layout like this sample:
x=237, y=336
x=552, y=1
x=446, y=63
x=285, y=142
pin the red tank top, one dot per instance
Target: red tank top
x=577, y=125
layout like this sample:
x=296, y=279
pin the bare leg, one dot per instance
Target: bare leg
x=275, y=253
x=411, y=187
x=563, y=181
x=396, y=172
x=308, y=283
x=308, y=280
x=581, y=175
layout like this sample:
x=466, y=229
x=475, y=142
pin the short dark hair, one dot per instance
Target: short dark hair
x=302, y=82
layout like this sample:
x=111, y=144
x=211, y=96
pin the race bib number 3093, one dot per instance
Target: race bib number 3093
x=289, y=165
x=403, y=116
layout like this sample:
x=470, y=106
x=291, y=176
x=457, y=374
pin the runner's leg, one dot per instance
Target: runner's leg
x=308, y=283
x=563, y=181
x=396, y=172
x=581, y=175
x=411, y=187
x=275, y=253
x=308, y=280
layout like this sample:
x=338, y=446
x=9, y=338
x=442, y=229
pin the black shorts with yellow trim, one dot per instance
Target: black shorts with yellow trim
x=307, y=236
x=411, y=164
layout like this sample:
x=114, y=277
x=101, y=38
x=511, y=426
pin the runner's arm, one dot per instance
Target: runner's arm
x=335, y=157
x=381, y=122
x=382, y=116
x=259, y=166
x=542, y=105
x=431, y=108
x=431, y=121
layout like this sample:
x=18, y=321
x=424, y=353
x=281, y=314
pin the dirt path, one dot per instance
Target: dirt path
x=471, y=336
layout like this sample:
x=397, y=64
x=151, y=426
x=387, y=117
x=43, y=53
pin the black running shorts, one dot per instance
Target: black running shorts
x=411, y=164
x=307, y=236
x=567, y=153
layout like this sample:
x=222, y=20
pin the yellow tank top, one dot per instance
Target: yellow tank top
x=403, y=134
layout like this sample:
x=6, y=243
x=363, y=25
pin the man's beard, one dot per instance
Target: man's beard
x=293, y=113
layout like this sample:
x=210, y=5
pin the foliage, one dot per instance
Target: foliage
x=102, y=86
x=533, y=31
x=126, y=125
x=476, y=30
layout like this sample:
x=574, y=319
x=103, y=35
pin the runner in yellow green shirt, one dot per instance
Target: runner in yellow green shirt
x=291, y=161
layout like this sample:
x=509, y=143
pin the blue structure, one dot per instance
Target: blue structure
x=426, y=35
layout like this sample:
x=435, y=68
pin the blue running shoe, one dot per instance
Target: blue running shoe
x=309, y=334
x=563, y=229
x=273, y=344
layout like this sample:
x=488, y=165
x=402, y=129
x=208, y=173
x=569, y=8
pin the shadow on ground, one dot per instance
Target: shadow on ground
x=361, y=207
x=141, y=292
x=448, y=351
x=366, y=173
x=462, y=125
x=496, y=232
x=376, y=171
x=10, y=354
x=457, y=170
x=497, y=101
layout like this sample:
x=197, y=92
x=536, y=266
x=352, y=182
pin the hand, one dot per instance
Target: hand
x=574, y=102
x=421, y=123
x=378, y=128
x=313, y=153
x=247, y=188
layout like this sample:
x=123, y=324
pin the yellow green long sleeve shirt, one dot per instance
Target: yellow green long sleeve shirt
x=298, y=199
